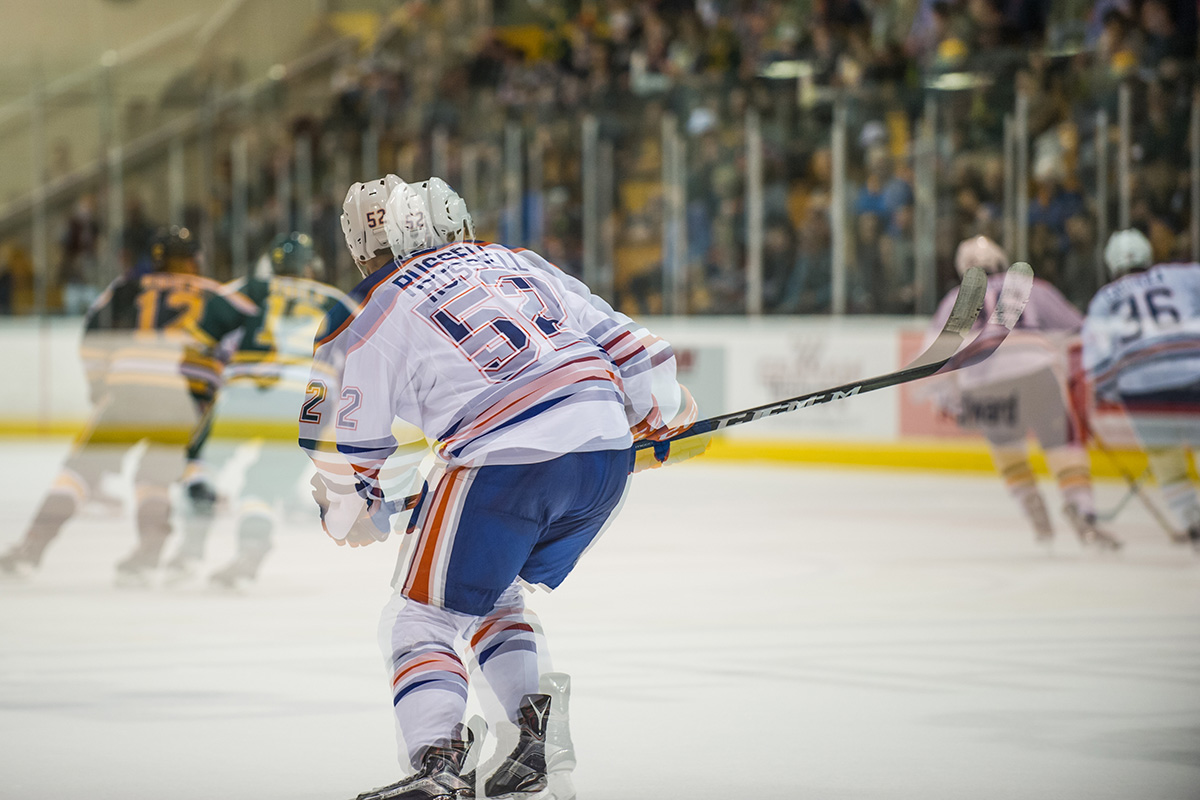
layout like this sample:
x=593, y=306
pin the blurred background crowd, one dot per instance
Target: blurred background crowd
x=683, y=156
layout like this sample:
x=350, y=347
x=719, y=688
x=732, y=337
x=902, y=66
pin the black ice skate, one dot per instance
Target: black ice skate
x=523, y=773
x=203, y=497
x=437, y=779
x=1089, y=532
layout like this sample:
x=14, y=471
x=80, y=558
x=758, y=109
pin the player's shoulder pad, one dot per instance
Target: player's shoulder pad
x=538, y=260
x=343, y=312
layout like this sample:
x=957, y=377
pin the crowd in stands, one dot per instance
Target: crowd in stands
x=430, y=82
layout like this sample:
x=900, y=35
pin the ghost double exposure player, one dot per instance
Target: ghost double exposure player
x=535, y=391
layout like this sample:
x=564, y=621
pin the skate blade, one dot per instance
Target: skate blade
x=549, y=793
x=559, y=786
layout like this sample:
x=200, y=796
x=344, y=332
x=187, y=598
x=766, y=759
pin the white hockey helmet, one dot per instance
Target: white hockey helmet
x=409, y=223
x=363, y=218
x=982, y=252
x=451, y=220
x=1126, y=251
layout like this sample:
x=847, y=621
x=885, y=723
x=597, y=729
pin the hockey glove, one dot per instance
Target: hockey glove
x=348, y=518
x=671, y=452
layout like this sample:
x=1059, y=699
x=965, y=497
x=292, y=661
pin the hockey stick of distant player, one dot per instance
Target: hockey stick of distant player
x=940, y=357
x=1135, y=488
x=1131, y=491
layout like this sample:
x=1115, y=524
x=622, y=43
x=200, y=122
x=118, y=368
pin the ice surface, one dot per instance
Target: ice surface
x=741, y=632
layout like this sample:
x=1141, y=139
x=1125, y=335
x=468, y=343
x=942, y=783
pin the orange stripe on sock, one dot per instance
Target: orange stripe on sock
x=440, y=662
x=489, y=630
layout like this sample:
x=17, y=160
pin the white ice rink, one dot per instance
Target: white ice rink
x=741, y=632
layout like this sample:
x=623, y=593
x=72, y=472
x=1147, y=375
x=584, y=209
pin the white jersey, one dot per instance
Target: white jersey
x=1142, y=332
x=496, y=354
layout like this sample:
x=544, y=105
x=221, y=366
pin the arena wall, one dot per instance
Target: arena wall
x=728, y=363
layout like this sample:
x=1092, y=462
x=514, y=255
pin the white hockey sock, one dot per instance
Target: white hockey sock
x=505, y=646
x=429, y=681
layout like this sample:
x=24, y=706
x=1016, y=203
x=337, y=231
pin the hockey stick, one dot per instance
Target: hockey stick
x=1135, y=488
x=1130, y=492
x=940, y=357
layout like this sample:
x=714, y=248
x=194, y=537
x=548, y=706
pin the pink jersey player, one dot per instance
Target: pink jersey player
x=1021, y=388
x=534, y=391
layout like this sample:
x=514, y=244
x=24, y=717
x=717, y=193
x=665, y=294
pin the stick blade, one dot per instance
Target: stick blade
x=969, y=303
x=963, y=315
x=1014, y=295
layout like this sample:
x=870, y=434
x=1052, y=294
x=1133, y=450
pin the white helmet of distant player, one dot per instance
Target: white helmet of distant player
x=409, y=225
x=363, y=214
x=982, y=252
x=451, y=220
x=1126, y=251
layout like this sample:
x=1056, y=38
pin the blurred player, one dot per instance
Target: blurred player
x=1141, y=345
x=1021, y=388
x=132, y=347
x=254, y=342
x=531, y=386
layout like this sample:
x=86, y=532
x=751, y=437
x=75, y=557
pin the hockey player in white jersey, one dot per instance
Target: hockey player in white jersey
x=1141, y=346
x=1020, y=388
x=534, y=390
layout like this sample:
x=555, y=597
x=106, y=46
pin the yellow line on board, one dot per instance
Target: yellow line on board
x=949, y=456
x=231, y=429
x=926, y=454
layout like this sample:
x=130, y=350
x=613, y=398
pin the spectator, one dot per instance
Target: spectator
x=810, y=290
x=867, y=271
x=779, y=261
x=79, y=269
x=898, y=290
x=1080, y=263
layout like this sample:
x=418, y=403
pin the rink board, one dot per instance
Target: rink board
x=727, y=363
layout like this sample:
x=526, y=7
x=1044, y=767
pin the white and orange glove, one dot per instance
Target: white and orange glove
x=347, y=517
x=665, y=452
